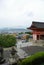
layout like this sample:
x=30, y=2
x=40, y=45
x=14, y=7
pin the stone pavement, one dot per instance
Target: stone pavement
x=30, y=50
x=21, y=53
x=24, y=44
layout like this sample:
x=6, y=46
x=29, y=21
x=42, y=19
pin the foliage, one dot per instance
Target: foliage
x=36, y=59
x=7, y=40
x=42, y=64
x=30, y=33
x=27, y=37
x=20, y=33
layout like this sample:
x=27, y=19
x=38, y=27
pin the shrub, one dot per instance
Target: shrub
x=7, y=40
x=36, y=59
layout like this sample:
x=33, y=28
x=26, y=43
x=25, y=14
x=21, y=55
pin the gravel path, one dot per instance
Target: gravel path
x=32, y=49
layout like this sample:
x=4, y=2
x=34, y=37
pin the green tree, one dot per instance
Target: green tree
x=7, y=40
x=30, y=33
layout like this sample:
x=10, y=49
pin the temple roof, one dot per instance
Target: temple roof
x=35, y=24
x=38, y=24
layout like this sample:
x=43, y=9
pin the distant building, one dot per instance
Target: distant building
x=14, y=34
x=25, y=36
x=37, y=30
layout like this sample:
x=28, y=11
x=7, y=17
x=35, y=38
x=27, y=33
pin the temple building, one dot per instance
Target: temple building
x=37, y=30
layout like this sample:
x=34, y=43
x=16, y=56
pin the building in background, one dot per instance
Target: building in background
x=37, y=30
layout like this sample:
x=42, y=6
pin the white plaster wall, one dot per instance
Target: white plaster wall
x=34, y=37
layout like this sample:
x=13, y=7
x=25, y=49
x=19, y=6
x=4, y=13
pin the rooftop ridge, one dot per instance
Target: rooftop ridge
x=37, y=22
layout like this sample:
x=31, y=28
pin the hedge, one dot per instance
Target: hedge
x=36, y=59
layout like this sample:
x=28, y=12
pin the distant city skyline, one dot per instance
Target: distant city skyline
x=20, y=13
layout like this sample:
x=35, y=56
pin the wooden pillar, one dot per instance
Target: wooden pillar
x=34, y=37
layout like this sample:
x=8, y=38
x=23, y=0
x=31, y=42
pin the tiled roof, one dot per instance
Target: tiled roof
x=38, y=24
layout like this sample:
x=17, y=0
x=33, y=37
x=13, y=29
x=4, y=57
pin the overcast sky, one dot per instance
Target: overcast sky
x=20, y=13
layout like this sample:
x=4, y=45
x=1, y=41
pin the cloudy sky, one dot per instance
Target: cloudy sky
x=20, y=13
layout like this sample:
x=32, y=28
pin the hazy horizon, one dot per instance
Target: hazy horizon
x=20, y=13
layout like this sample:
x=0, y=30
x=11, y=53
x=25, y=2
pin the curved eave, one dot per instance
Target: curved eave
x=32, y=27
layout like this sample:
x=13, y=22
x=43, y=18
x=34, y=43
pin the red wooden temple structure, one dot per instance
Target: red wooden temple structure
x=37, y=30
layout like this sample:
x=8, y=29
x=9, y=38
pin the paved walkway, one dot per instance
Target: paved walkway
x=30, y=50
x=21, y=53
x=24, y=44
